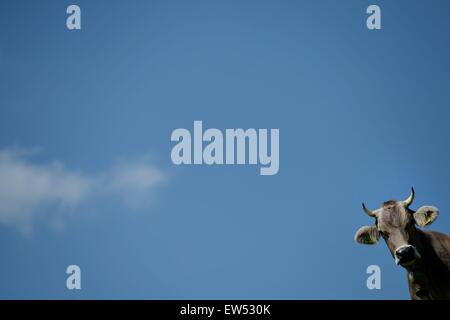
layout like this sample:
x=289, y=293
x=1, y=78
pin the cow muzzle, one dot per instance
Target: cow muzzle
x=406, y=255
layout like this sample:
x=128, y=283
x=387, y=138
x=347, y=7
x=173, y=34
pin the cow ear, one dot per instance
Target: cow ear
x=367, y=235
x=425, y=215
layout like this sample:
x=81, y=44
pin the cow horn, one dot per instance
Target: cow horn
x=410, y=199
x=369, y=213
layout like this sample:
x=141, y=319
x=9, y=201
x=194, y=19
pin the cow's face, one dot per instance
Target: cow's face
x=396, y=223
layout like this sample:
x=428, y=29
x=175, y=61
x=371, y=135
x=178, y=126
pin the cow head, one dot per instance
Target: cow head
x=396, y=223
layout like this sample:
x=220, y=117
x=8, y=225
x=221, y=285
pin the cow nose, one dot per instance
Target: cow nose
x=405, y=254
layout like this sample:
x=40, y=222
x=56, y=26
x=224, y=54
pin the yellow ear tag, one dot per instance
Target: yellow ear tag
x=368, y=240
x=427, y=220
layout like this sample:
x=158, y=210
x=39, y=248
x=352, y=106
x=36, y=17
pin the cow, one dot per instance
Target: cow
x=424, y=254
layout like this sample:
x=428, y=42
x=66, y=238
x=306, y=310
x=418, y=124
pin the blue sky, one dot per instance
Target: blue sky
x=85, y=124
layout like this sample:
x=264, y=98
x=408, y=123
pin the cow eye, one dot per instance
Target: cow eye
x=384, y=234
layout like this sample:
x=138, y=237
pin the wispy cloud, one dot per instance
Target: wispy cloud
x=133, y=182
x=28, y=188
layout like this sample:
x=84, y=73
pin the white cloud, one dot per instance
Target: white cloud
x=28, y=189
x=134, y=182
